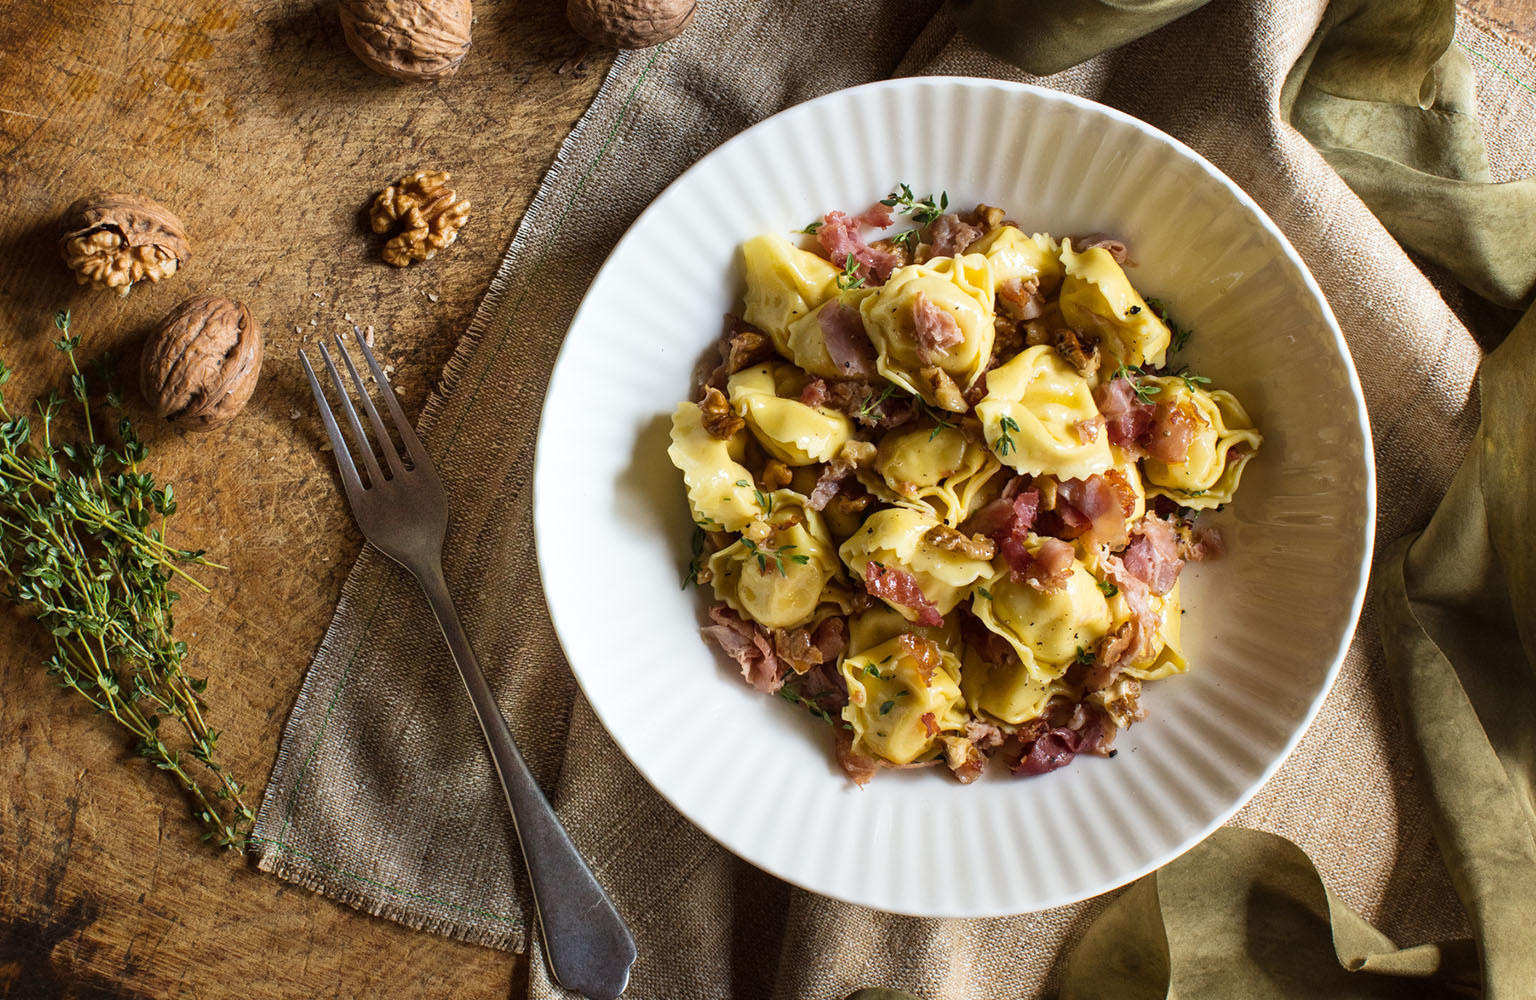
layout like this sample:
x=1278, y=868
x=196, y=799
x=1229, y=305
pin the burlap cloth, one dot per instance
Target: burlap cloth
x=383, y=796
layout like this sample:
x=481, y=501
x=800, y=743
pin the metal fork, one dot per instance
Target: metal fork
x=403, y=511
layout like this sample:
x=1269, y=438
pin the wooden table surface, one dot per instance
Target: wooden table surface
x=253, y=122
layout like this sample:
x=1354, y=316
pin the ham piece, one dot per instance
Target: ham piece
x=1153, y=555
x=950, y=236
x=749, y=644
x=1162, y=430
x=936, y=331
x=898, y=587
x=848, y=345
x=839, y=237
x=1056, y=748
x=1094, y=507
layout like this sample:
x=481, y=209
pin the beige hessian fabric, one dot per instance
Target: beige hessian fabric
x=382, y=795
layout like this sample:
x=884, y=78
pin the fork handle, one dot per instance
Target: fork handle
x=590, y=949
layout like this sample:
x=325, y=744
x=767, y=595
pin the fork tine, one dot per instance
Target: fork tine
x=386, y=443
x=349, y=477
x=419, y=457
x=375, y=477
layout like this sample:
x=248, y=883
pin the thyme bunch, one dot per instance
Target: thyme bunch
x=83, y=548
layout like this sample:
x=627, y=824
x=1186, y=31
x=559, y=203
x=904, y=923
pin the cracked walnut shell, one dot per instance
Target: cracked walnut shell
x=422, y=211
x=117, y=240
x=408, y=39
x=201, y=366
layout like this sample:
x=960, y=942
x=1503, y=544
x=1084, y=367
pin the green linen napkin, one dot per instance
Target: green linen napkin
x=1386, y=98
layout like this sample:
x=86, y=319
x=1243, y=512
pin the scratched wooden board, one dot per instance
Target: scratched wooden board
x=255, y=123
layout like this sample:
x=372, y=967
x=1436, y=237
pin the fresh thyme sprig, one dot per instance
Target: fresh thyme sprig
x=774, y=557
x=942, y=419
x=1180, y=333
x=1144, y=390
x=794, y=697
x=849, y=279
x=1004, y=443
x=907, y=238
x=1190, y=379
x=1108, y=589
x=922, y=210
x=811, y=227
x=873, y=400
x=83, y=549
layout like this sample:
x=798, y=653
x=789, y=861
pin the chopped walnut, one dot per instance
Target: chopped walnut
x=719, y=419
x=117, y=240
x=422, y=211
x=1037, y=332
x=1080, y=352
x=944, y=390
x=988, y=217
x=902, y=250
x=963, y=759
x=847, y=503
x=776, y=475
x=942, y=536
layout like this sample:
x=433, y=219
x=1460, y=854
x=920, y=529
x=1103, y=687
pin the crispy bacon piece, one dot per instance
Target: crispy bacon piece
x=898, y=587
x=1127, y=418
x=1010, y=516
x=848, y=343
x=1134, y=640
x=749, y=645
x=951, y=236
x=924, y=652
x=853, y=456
x=1153, y=555
x=1173, y=428
x=839, y=237
x=930, y=724
x=1048, y=568
x=1116, y=247
x=830, y=639
x=854, y=764
x=1200, y=542
x=802, y=649
x=1021, y=299
x=814, y=393
x=936, y=331
x=1056, y=748
x=1093, y=507
x=876, y=216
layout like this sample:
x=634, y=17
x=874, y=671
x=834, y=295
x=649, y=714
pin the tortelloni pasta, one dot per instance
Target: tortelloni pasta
x=1097, y=298
x=898, y=537
x=945, y=484
x=783, y=284
x=1040, y=419
x=1012, y=255
x=943, y=466
x=766, y=396
x=1223, y=441
x=903, y=695
x=781, y=579
x=720, y=491
x=936, y=315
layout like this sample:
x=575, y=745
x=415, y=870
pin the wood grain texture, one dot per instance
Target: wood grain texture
x=258, y=127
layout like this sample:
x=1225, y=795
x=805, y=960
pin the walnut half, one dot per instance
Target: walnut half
x=422, y=211
x=117, y=240
x=201, y=366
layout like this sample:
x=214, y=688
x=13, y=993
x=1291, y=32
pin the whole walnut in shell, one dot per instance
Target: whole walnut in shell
x=629, y=24
x=116, y=240
x=408, y=39
x=201, y=366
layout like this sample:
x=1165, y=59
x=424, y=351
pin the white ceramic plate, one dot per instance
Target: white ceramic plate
x=1266, y=627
